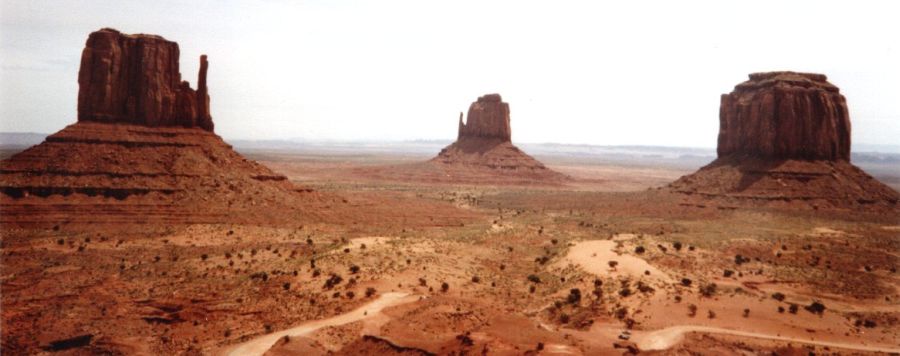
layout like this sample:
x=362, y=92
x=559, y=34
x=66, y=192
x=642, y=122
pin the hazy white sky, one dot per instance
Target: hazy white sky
x=605, y=73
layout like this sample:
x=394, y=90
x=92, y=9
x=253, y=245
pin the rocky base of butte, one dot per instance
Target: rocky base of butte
x=784, y=139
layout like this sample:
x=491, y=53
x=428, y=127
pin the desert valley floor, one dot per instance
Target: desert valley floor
x=606, y=263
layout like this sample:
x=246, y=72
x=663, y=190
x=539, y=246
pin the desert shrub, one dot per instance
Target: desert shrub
x=624, y=292
x=204, y=257
x=445, y=287
x=316, y=272
x=677, y=245
x=350, y=294
x=644, y=288
x=621, y=313
x=465, y=340
x=370, y=292
x=746, y=312
x=692, y=310
x=502, y=267
x=60, y=242
x=728, y=273
x=613, y=264
x=534, y=278
x=564, y=318
x=574, y=296
x=639, y=250
x=554, y=241
x=423, y=282
x=354, y=269
x=531, y=288
x=793, y=309
x=686, y=282
x=286, y=286
x=708, y=290
x=780, y=309
x=333, y=280
x=738, y=260
x=778, y=296
x=475, y=279
x=711, y=314
x=816, y=307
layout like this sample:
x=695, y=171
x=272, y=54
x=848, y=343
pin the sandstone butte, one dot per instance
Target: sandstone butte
x=142, y=150
x=784, y=139
x=484, y=152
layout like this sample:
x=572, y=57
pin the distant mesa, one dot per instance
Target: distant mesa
x=484, y=144
x=142, y=151
x=784, y=139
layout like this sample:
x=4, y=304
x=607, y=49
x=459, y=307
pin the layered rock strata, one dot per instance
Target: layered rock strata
x=135, y=79
x=784, y=139
x=785, y=115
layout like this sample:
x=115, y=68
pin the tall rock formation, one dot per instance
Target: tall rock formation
x=785, y=115
x=135, y=79
x=488, y=118
x=784, y=139
x=142, y=151
x=484, y=153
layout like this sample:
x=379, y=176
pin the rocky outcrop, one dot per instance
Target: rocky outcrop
x=784, y=141
x=488, y=118
x=135, y=79
x=142, y=151
x=484, y=153
x=785, y=115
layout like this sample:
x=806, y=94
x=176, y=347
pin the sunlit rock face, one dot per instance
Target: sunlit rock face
x=135, y=79
x=785, y=115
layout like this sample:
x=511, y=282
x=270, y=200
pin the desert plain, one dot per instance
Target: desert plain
x=431, y=267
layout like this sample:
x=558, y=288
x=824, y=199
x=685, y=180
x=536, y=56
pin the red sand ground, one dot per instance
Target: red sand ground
x=504, y=253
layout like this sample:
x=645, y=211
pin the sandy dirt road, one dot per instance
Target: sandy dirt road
x=666, y=338
x=260, y=345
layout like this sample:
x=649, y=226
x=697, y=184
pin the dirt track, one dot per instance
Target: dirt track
x=666, y=338
x=260, y=345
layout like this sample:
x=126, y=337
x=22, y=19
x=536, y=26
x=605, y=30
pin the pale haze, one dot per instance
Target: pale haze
x=623, y=73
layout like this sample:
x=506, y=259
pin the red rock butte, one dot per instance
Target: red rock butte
x=483, y=151
x=135, y=79
x=784, y=139
x=785, y=115
x=142, y=151
x=488, y=118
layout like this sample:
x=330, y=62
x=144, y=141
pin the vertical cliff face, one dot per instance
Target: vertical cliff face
x=785, y=115
x=135, y=79
x=488, y=118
